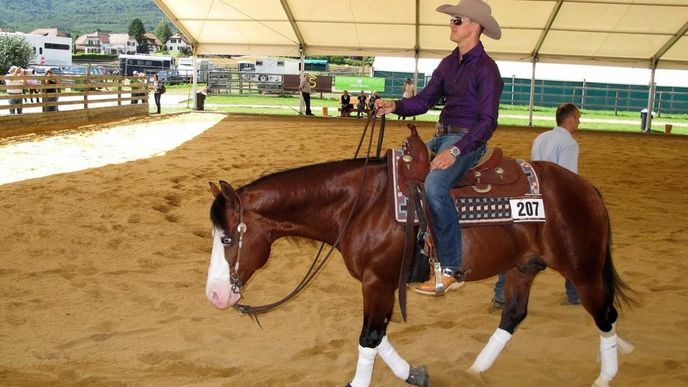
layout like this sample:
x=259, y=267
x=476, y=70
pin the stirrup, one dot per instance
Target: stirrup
x=439, y=285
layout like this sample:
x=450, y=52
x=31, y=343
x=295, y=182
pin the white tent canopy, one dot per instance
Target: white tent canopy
x=630, y=33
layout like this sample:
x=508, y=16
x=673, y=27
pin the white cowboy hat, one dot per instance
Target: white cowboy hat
x=476, y=10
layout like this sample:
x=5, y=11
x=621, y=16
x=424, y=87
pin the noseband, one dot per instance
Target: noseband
x=234, y=279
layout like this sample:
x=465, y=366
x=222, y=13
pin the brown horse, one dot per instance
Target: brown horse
x=345, y=204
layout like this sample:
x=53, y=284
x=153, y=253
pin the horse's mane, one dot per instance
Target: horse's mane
x=217, y=209
x=298, y=170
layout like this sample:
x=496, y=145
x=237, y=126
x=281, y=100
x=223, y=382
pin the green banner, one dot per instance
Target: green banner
x=356, y=84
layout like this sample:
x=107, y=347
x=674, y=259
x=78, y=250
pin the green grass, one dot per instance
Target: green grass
x=542, y=116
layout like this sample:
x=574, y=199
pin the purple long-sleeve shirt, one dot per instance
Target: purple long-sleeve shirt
x=472, y=87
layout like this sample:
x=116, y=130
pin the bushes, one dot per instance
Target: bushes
x=93, y=57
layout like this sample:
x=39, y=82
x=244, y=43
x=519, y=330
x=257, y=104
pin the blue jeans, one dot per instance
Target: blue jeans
x=445, y=222
x=156, y=96
x=16, y=101
x=571, y=293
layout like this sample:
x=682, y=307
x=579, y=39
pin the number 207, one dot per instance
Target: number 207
x=527, y=208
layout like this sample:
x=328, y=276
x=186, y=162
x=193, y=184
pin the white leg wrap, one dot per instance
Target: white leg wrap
x=493, y=348
x=396, y=363
x=364, y=368
x=608, y=358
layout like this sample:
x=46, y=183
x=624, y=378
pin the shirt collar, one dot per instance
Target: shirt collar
x=476, y=51
x=563, y=131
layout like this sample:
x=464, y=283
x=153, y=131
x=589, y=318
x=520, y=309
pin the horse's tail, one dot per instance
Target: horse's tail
x=618, y=292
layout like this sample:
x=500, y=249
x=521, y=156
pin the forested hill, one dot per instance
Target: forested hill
x=77, y=16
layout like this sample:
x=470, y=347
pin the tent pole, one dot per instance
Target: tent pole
x=415, y=69
x=532, y=94
x=650, y=97
x=302, y=104
x=416, y=48
x=194, y=82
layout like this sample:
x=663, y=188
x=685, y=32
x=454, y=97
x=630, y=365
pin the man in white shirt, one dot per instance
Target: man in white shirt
x=409, y=91
x=558, y=146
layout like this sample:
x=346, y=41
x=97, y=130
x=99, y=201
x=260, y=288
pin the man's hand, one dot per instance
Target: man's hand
x=384, y=107
x=443, y=160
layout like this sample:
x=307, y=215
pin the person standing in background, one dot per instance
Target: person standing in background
x=51, y=92
x=32, y=83
x=409, y=91
x=15, y=87
x=157, y=91
x=557, y=146
x=305, y=89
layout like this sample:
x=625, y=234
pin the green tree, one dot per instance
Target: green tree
x=162, y=31
x=14, y=51
x=138, y=32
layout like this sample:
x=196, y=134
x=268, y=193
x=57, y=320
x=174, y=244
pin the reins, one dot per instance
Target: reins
x=318, y=264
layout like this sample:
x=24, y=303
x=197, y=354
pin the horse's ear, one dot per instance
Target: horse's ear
x=227, y=191
x=214, y=189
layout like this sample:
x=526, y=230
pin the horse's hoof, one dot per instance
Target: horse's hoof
x=601, y=381
x=473, y=370
x=418, y=376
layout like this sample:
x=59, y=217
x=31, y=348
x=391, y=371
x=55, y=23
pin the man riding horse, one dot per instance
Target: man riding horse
x=471, y=82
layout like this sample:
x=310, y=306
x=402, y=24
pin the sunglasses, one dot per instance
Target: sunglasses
x=458, y=20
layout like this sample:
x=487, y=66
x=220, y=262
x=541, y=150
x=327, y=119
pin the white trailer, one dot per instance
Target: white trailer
x=276, y=66
x=48, y=50
x=185, y=67
x=267, y=72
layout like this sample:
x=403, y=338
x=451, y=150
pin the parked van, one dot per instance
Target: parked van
x=185, y=67
x=40, y=70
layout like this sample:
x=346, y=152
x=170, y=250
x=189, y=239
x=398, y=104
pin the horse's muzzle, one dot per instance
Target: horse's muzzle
x=222, y=295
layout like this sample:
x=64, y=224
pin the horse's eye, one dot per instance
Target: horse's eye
x=226, y=240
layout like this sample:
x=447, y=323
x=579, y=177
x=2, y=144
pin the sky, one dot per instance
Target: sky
x=553, y=72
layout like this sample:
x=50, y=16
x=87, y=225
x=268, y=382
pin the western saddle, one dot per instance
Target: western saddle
x=493, y=175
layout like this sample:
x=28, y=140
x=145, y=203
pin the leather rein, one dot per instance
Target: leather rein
x=318, y=262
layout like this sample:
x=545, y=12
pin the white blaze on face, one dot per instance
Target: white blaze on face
x=218, y=288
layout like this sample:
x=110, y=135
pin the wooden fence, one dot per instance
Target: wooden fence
x=70, y=102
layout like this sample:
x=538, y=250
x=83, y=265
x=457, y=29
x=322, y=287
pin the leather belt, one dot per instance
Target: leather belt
x=442, y=129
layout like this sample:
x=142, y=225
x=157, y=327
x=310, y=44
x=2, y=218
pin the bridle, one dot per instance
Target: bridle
x=234, y=278
x=318, y=262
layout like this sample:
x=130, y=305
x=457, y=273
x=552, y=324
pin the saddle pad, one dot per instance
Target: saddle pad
x=482, y=210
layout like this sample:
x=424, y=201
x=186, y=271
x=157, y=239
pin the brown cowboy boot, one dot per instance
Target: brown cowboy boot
x=431, y=288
